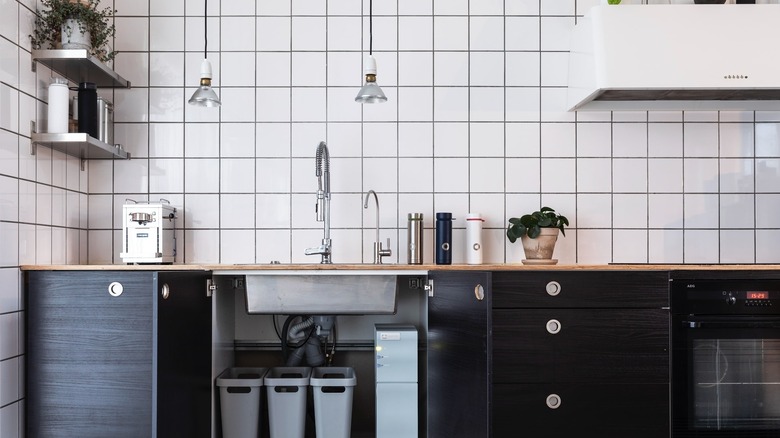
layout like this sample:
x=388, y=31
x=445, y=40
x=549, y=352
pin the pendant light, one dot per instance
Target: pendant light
x=205, y=95
x=370, y=92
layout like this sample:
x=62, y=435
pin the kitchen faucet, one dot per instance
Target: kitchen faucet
x=378, y=251
x=322, y=208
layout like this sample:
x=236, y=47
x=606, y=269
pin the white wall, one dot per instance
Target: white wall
x=475, y=121
x=43, y=200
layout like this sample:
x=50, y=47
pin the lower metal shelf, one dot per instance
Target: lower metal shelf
x=80, y=145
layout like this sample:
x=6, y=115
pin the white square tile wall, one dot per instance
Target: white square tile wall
x=475, y=122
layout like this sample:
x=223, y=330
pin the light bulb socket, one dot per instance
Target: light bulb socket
x=205, y=69
x=205, y=82
x=369, y=67
x=370, y=77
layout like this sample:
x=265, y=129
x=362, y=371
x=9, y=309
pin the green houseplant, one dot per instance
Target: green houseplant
x=59, y=24
x=538, y=231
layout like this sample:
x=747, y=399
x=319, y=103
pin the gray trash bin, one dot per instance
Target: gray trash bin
x=332, y=388
x=287, y=389
x=239, y=396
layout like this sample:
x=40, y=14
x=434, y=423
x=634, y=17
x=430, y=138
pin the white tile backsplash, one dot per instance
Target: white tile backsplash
x=701, y=246
x=700, y=139
x=476, y=120
x=237, y=34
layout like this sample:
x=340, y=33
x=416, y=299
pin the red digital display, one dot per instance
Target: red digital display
x=758, y=295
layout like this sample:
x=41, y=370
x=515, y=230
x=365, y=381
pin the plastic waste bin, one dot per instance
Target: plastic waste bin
x=287, y=389
x=332, y=389
x=241, y=404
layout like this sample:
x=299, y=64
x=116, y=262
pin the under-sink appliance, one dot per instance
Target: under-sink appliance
x=725, y=370
x=396, y=381
x=148, y=232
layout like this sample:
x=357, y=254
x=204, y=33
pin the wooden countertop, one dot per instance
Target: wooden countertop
x=398, y=267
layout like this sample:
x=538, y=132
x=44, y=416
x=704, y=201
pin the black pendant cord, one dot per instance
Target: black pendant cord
x=206, y=29
x=370, y=27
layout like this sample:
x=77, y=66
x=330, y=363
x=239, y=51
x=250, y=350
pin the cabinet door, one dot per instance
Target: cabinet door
x=458, y=352
x=89, y=354
x=591, y=345
x=581, y=410
x=183, y=355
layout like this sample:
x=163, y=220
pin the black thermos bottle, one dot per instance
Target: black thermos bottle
x=88, y=108
x=443, y=238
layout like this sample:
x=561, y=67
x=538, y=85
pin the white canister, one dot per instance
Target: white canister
x=474, y=238
x=58, y=106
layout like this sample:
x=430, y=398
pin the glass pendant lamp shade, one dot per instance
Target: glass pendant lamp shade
x=370, y=92
x=205, y=95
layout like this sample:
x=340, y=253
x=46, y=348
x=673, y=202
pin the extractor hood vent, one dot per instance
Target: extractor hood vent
x=673, y=57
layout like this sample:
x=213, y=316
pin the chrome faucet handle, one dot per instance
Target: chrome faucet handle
x=315, y=250
x=325, y=250
x=380, y=252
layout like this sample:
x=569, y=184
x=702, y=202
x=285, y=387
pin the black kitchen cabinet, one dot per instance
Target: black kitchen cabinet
x=581, y=353
x=459, y=347
x=118, y=353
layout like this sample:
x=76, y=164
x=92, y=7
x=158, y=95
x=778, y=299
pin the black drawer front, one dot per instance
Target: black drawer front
x=586, y=410
x=598, y=289
x=593, y=345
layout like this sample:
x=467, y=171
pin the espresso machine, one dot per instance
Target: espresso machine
x=148, y=232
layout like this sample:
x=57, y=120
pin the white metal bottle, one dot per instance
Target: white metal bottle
x=474, y=238
x=58, y=106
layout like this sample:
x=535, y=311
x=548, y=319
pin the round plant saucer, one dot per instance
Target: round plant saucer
x=540, y=261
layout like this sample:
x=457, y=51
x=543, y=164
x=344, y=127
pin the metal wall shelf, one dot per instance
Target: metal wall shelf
x=80, y=145
x=78, y=65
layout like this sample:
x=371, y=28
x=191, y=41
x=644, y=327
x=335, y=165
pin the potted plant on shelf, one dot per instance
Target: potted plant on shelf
x=75, y=24
x=538, y=231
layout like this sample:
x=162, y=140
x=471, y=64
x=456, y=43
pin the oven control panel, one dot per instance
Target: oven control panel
x=724, y=297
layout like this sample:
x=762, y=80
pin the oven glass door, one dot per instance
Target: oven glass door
x=726, y=376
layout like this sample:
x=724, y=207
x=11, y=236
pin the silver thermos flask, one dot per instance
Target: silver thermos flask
x=414, y=239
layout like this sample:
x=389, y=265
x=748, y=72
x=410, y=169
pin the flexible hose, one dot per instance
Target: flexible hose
x=295, y=333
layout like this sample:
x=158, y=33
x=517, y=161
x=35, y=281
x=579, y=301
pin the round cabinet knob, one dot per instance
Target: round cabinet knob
x=479, y=292
x=166, y=291
x=553, y=401
x=553, y=288
x=115, y=289
x=553, y=326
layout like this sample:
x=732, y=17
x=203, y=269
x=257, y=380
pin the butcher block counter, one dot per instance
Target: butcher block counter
x=401, y=267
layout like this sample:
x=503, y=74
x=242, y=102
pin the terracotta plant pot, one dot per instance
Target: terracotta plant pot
x=540, y=248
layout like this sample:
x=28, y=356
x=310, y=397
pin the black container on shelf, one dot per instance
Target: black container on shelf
x=443, y=238
x=88, y=121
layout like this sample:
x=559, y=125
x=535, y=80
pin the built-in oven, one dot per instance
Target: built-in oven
x=725, y=360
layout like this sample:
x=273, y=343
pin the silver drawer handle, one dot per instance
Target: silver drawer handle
x=553, y=401
x=553, y=288
x=166, y=291
x=553, y=326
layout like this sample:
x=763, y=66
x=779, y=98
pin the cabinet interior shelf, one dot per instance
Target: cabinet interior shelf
x=80, y=145
x=79, y=66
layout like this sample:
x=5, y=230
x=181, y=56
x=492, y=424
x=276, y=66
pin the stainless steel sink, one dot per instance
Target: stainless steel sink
x=322, y=292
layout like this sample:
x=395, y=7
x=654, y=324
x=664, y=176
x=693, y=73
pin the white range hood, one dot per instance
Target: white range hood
x=672, y=57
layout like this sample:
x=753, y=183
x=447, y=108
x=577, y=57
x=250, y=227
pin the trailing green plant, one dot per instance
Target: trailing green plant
x=613, y=2
x=531, y=224
x=49, y=22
